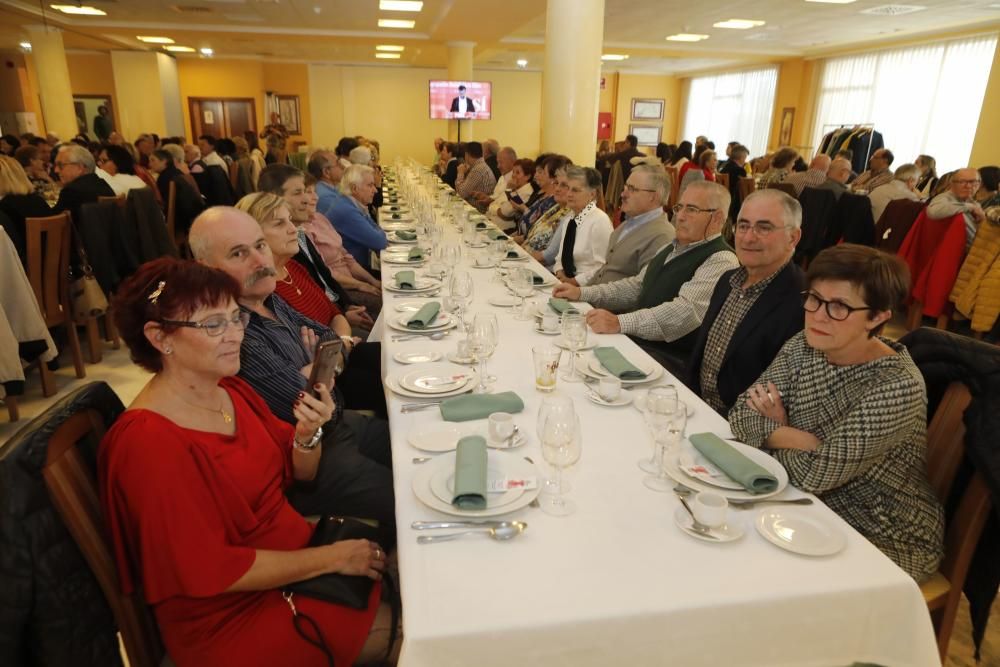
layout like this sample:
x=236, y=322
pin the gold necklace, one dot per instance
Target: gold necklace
x=290, y=281
x=226, y=417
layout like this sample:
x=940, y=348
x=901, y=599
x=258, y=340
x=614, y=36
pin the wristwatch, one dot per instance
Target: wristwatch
x=313, y=442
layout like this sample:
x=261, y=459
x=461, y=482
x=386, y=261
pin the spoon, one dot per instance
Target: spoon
x=422, y=459
x=437, y=335
x=697, y=526
x=501, y=532
x=513, y=434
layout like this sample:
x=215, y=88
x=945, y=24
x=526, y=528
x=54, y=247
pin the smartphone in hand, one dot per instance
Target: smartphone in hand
x=328, y=362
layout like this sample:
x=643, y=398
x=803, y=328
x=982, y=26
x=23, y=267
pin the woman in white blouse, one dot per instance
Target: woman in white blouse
x=116, y=166
x=584, y=242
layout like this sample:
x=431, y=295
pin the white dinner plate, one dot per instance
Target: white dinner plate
x=416, y=357
x=727, y=532
x=443, y=486
x=421, y=285
x=652, y=370
x=441, y=437
x=455, y=359
x=478, y=244
x=410, y=306
x=539, y=330
x=395, y=239
x=396, y=225
x=761, y=458
x=800, y=531
x=624, y=398
x=437, y=378
x=504, y=301
x=695, y=465
x=394, y=387
x=442, y=322
x=509, y=465
x=519, y=258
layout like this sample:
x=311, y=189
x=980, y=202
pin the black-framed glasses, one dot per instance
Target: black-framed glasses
x=836, y=310
x=631, y=189
x=215, y=325
x=691, y=209
x=760, y=229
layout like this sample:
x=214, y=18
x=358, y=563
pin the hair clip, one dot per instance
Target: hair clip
x=156, y=295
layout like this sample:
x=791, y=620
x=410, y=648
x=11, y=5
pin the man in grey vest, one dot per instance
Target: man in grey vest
x=662, y=307
x=645, y=230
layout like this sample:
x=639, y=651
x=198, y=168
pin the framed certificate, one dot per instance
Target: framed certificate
x=647, y=109
x=648, y=135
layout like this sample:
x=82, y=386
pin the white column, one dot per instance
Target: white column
x=460, y=69
x=54, y=90
x=574, y=35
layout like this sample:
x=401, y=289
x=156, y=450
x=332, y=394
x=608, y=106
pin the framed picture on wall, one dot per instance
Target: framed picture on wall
x=787, y=119
x=647, y=109
x=648, y=135
x=288, y=109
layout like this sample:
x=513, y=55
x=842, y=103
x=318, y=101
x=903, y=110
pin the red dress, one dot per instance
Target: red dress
x=302, y=293
x=186, y=511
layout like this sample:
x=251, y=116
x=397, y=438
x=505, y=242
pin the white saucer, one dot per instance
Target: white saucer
x=410, y=306
x=729, y=532
x=624, y=398
x=546, y=333
x=504, y=301
x=416, y=357
x=800, y=531
x=455, y=359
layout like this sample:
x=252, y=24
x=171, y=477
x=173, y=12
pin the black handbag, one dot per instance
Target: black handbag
x=345, y=589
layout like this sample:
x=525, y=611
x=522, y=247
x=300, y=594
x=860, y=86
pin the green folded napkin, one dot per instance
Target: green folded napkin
x=481, y=225
x=405, y=279
x=496, y=235
x=424, y=317
x=617, y=365
x=470, y=473
x=415, y=254
x=396, y=216
x=537, y=279
x=513, y=254
x=405, y=235
x=393, y=208
x=753, y=477
x=479, y=406
x=559, y=305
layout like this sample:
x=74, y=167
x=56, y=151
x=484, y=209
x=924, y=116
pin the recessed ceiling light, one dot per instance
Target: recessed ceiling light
x=154, y=40
x=614, y=56
x=686, y=37
x=400, y=5
x=522, y=62
x=738, y=24
x=833, y=2
x=25, y=46
x=82, y=10
x=387, y=56
x=389, y=47
x=206, y=51
x=178, y=49
x=396, y=23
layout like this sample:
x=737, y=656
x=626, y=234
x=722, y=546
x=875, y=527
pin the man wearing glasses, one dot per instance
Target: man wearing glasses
x=662, y=307
x=645, y=230
x=755, y=308
x=75, y=167
x=960, y=198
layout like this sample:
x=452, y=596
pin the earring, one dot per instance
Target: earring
x=168, y=350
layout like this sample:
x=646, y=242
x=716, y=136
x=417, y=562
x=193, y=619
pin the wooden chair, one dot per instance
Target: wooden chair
x=110, y=331
x=172, y=210
x=945, y=451
x=723, y=180
x=48, y=272
x=234, y=175
x=747, y=185
x=73, y=489
x=13, y=411
x=674, y=185
x=787, y=188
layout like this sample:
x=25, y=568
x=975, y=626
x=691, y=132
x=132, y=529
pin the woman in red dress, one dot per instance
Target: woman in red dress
x=192, y=480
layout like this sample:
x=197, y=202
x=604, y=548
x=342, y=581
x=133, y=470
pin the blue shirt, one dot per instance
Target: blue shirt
x=327, y=194
x=359, y=231
x=550, y=252
x=631, y=224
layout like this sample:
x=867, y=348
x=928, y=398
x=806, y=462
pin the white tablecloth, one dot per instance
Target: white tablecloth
x=617, y=583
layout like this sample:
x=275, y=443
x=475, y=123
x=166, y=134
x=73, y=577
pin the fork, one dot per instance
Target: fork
x=413, y=407
x=533, y=503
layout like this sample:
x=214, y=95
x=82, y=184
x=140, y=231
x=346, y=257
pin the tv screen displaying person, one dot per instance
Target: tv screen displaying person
x=463, y=104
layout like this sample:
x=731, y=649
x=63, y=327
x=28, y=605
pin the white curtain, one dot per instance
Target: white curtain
x=732, y=107
x=924, y=99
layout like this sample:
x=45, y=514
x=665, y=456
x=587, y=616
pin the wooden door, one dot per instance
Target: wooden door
x=239, y=117
x=221, y=117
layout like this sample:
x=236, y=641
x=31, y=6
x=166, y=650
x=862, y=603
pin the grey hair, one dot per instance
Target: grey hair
x=176, y=152
x=791, y=209
x=658, y=179
x=81, y=156
x=194, y=149
x=907, y=171
x=360, y=155
x=509, y=151
x=320, y=160
x=353, y=177
x=718, y=196
x=586, y=175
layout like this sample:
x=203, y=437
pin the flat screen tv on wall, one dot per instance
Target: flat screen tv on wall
x=461, y=100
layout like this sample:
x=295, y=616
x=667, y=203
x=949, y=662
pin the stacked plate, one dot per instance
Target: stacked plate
x=441, y=322
x=421, y=286
x=693, y=470
x=392, y=256
x=433, y=485
x=595, y=369
x=438, y=437
x=391, y=236
x=437, y=380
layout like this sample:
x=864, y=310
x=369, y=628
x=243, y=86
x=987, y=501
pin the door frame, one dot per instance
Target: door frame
x=192, y=117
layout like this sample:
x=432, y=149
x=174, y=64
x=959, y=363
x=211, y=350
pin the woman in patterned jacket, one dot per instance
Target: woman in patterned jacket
x=844, y=410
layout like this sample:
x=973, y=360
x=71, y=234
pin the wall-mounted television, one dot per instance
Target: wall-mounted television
x=461, y=100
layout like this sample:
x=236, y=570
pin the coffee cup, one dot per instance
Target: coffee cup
x=501, y=427
x=550, y=322
x=710, y=508
x=609, y=388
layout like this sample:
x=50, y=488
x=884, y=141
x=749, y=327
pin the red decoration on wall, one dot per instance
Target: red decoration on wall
x=604, y=125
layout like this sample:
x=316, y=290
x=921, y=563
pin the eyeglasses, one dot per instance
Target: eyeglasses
x=215, y=325
x=760, y=229
x=835, y=309
x=691, y=209
x=631, y=189
x=60, y=165
x=966, y=181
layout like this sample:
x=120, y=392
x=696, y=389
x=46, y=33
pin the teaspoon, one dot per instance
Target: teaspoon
x=501, y=532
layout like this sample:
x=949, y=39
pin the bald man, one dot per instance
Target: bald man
x=355, y=476
x=812, y=177
x=960, y=198
x=836, y=177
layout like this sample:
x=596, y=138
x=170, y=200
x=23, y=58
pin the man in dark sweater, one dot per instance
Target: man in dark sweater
x=662, y=307
x=735, y=168
x=75, y=167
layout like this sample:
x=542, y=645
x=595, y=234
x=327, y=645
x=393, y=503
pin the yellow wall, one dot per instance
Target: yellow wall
x=986, y=145
x=12, y=78
x=648, y=86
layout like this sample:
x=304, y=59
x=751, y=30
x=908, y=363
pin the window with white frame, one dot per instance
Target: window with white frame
x=736, y=106
x=923, y=99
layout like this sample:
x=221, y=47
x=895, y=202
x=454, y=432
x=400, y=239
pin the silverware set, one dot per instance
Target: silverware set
x=497, y=530
x=683, y=493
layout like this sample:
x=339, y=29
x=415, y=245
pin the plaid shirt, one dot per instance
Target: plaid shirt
x=478, y=178
x=736, y=306
x=871, y=421
x=870, y=180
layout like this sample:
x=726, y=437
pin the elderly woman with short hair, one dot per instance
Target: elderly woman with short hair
x=703, y=169
x=585, y=237
x=780, y=167
x=542, y=240
x=844, y=409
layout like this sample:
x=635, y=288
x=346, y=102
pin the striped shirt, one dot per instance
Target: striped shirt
x=478, y=178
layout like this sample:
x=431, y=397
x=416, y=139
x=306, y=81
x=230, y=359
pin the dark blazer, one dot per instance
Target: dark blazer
x=774, y=318
x=314, y=264
x=83, y=190
x=451, y=172
x=491, y=162
x=17, y=208
x=468, y=104
x=735, y=173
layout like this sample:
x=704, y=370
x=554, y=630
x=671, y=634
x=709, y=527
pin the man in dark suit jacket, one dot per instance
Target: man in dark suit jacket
x=625, y=156
x=75, y=166
x=451, y=154
x=462, y=103
x=756, y=308
x=735, y=169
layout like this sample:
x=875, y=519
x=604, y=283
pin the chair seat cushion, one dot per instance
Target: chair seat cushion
x=935, y=590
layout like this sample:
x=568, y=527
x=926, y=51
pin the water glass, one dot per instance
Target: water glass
x=559, y=434
x=546, y=367
x=523, y=285
x=483, y=338
x=667, y=438
x=663, y=400
x=574, y=333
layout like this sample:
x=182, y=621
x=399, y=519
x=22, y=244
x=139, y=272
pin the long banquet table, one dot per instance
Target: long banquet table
x=617, y=583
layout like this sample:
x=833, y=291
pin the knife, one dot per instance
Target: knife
x=430, y=525
x=439, y=381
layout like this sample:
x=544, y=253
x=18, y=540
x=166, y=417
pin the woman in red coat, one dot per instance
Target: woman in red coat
x=192, y=480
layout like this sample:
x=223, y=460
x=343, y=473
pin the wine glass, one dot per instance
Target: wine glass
x=667, y=438
x=522, y=282
x=497, y=251
x=574, y=333
x=452, y=255
x=460, y=289
x=663, y=401
x=560, y=437
x=483, y=338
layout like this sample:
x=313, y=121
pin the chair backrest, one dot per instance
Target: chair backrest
x=946, y=439
x=119, y=199
x=787, y=188
x=723, y=180
x=48, y=241
x=234, y=174
x=73, y=489
x=171, y=209
x=895, y=223
x=747, y=185
x=674, y=184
